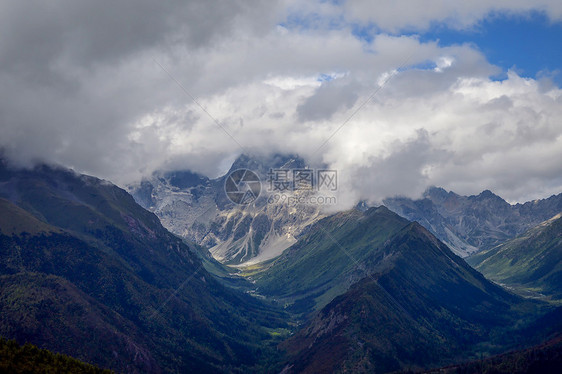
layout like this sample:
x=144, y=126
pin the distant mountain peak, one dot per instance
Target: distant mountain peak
x=434, y=190
x=198, y=209
x=487, y=194
x=261, y=164
x=438, y=193
x=471, y=223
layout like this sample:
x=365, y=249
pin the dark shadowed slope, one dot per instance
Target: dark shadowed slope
x=419, y=304
x=24, y=359
x=88, y=272
x=544, y=358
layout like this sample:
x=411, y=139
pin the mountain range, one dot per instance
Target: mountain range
x=468, y=224
x=383, y=294
x=88, y=272
x=197, y=208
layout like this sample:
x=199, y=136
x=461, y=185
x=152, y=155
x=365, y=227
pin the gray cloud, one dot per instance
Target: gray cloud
x=328, y=99
x=396, y=15
x=76, y=75
x=79, y=86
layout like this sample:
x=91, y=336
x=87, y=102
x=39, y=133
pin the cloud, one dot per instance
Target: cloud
x=76, y=77
x=81, y=85
x=329, y=98
x=477, y=133
x=398, y=15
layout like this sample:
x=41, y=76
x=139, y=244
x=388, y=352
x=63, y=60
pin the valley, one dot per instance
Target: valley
x=285, y=187
x=362, y=290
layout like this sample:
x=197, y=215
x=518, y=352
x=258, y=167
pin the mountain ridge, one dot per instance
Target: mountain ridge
x=200, y=211
x=361, y=290
x=418, y=304
x=110, y=268
x=468, y=224
x=530, y=263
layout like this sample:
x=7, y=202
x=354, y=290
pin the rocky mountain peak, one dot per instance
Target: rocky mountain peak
x=471, y=223
x=198, y=209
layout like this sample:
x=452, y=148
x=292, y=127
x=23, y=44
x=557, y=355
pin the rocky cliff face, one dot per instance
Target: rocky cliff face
x=468, y=224
x=198, y=209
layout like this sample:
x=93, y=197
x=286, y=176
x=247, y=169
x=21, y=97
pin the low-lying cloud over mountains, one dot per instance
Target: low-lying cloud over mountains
x=84, y=86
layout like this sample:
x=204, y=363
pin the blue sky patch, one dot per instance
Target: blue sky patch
x=530, y=44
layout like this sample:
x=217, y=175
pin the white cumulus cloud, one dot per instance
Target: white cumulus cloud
x=82, y=85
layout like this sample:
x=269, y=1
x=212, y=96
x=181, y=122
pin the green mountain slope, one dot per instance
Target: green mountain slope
x=80, y=258
x=327, y=260
x=51, y=312
x=417, y=305
x=87, y=272
x=15, y=221
x=530, y=263
x=16, y=359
